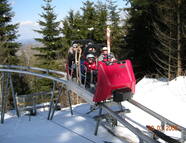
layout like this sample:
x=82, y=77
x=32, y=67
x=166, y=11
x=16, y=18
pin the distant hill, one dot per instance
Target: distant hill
x=27, y=50
x=29, y=42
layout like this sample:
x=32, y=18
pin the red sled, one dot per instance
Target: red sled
x=115, y=81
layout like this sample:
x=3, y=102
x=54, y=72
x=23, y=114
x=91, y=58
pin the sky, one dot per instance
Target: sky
x=27, y=13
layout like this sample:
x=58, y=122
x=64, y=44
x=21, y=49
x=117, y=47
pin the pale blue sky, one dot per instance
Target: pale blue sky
x=27, y=13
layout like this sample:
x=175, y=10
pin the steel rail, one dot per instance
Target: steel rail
x=37, y=94
x=35, y=74
x=32, y=68
x=156, y=115
x=70, y=85
x=133, y=129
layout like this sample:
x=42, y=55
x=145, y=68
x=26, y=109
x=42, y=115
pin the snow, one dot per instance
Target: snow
x=65, y=128
x=166, y=98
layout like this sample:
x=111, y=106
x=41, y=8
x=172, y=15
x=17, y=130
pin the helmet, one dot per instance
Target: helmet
x=91, y=49
x=90, y=56
x=90, y=43
x=104, y=49
x=75, y=45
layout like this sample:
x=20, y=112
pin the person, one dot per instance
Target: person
x=90, y=62
x=90, y=70
x=72, y=49
x=90, y=49
x=71, y=58
x=105, y=56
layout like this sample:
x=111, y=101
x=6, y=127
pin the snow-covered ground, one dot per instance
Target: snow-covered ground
x=165, y=98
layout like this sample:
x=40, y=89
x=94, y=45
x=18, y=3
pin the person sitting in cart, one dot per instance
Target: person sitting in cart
x=105, y=56
x=90, y=70
x=90, y=50
x=90, y=62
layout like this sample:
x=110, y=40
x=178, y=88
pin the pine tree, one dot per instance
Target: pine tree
x=72, y=28
x=101, y=22
x=8, y=35
x=140, y=40
x=117, y=30
x=88, y=18
x=183, y=19
x=9, y=47
x=168, y=25
x=51, y=39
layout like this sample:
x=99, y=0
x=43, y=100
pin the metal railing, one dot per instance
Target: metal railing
x=32, y=68
x=34, y=74
x=6, y=82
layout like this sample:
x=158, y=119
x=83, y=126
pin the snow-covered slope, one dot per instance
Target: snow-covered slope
x=165, y=98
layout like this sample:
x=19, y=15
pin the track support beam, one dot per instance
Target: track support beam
x=70, y=102
x=133, y=129
x=51, y=100
x=14, y=97
x=57, y=101
x=98, y=122
x=2, y=98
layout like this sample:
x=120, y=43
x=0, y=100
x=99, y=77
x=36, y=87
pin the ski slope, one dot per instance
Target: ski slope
x=166, y=98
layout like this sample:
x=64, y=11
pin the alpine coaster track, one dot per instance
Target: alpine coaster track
x=59, y=77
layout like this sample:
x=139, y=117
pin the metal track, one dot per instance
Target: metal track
x=156, y=115
x=34, y=74
x=133, y=129
x=87, y=96
x=32, y=68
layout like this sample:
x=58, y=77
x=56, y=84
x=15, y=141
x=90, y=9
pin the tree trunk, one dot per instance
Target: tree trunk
x=179, y=62
x=170, y=51
x=169, y=65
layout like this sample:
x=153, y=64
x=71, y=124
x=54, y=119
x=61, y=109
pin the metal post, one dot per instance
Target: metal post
x=92, y=108
x=163, y=126
x=51, y=100
x=29, y=117
x=34, y=103
x=6, y=95
x=183, y=136
x=85, y=79
x=91, y=76
x=14, y=97
x=2, y=94
x=121, y=108
x=42, y=100
x=70, y=102
x=57, y=101
x=98, y=122
x=140, y=140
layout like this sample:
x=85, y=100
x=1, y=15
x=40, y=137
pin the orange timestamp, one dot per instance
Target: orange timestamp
x=165, y=128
